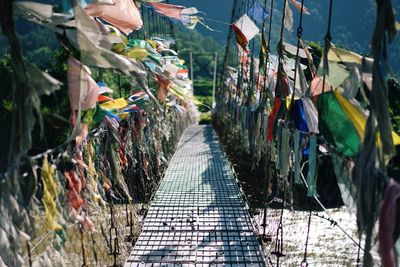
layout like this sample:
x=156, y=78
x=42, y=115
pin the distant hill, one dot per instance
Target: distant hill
x=353, y=23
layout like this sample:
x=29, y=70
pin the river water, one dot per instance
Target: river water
x=327, y=244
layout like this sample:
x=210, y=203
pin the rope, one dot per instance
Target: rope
x=266, y=67
x=279, y=234
x=299, y=33
x=82, y=246
x=218, y=21
x=333, y=221
x=240, y=69
x=304, y=263
x=283, y=21
x=340, y=227
x=280, y=52
x=328, y=39
x=270, y=24
x=37, y=244
x=359, y=250
x=28, y=248
x=228, y=44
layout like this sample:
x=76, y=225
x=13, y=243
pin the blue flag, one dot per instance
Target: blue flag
x=257, y=12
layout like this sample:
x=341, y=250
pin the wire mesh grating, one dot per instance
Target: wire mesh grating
x=198, y=216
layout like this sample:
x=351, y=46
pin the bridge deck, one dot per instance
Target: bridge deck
x=198, y=216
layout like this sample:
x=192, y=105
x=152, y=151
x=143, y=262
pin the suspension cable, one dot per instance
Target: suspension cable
x=304, y=263
x=278, y=252
x=299, y=33
x=266, y=69
x=359, y=250
x=228, y=44
x=280, y=53
x=270, y=24
x=327, y=46
x=283, y=20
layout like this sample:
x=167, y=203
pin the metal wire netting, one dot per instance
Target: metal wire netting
x=117, y=171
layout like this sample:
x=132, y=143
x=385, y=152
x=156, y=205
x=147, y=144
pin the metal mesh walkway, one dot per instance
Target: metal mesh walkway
x=198, y=216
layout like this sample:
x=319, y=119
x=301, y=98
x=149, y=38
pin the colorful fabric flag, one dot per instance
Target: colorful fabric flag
x=337, y=54
x=288, y=22
x=131, y=108
x=139, y=95
x=388, y=220
x=104, y=89
x=164, y=86
x=263, y=53
x=299, y=116
x=284, y=151
x=123, y=14
x=272, y=118
x=311, y=114
x=357, y=118
x=318, y=86
x=312, y=167
x=190, y=22
x=49, y=195
x=81, y=87
x=291, y=49
x=94, y=54
x=245, y=30
x=174, y=11
x=180, y=13
x=297, y=5
x=135, y=53
x=257, y=12
x=297, y=155
x=115, y=104
x=336, y=127
x=103, y=98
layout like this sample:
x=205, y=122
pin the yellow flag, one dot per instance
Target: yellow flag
x=357, y=118
x=49, y=195
x=115, y=104
x=339, y=54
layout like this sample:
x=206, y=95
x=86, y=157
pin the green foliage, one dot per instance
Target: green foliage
x=119, y=83
x=317, y=52
x=203, y=49
x=206, y=101
x=205, y=118
x=394, y=103
x=203, y=92
x=6, y=105
x=203, y=87
x=38, y=43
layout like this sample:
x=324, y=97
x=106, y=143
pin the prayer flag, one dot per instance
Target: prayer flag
x=123, y=14
x=257, y=12
x=245, y=30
